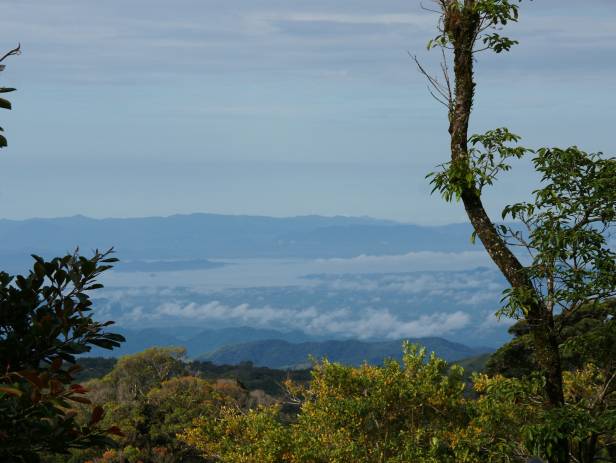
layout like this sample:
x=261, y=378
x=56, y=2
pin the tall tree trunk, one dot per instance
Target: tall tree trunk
x=462, y=24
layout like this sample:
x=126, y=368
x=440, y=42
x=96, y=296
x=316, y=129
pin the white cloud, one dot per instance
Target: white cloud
x=423, y=260
x=383, y=324
x=467, y=288
x=368, y=323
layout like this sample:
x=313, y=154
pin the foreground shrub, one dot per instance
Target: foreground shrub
x=45, y=321
x=418, y=411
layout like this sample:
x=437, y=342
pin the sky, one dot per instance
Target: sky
x=130, y=108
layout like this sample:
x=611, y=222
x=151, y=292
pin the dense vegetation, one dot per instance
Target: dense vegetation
x=45, y=322
x=269, y=380
x=421, y=409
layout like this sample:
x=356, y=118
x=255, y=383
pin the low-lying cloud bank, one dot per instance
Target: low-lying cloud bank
x=413, y=261
x=463, y=287
x=369, y=323
x=458, y=305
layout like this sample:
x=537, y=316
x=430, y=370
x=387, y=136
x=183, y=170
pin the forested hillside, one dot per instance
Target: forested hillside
x=283, y=354
x=249, y=376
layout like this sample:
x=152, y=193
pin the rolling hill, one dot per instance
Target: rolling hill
x=196, y=344
x=283, y=354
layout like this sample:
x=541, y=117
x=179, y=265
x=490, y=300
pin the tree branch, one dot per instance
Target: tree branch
x=14, y=51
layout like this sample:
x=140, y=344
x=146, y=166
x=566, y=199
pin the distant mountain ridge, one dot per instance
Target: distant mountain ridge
x=198, y=237
x=276, y=349
x=286, y=355
x=196, y=342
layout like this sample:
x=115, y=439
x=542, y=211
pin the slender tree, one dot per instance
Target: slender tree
x=563, y=228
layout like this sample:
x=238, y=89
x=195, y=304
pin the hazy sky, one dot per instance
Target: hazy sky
x=275, y=107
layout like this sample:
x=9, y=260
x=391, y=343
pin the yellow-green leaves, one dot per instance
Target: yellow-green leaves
x=390, y=413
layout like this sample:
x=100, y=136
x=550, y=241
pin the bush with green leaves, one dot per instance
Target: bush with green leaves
x=46, y=321
x=392, y=413
x=420, y=411
x=152, y=396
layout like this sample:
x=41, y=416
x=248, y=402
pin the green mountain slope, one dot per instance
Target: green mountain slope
x=283, y=354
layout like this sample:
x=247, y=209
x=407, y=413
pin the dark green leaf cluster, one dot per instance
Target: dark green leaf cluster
x=45, y=321
x=47, y=314
x=587, y=341
x=566, y=226
x=5, y=104
x=498, y=43
x=587, y=335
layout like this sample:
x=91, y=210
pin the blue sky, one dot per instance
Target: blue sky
x=137, y=108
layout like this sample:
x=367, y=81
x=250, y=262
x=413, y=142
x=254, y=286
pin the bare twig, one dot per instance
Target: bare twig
x=423, y=7
x=440, y=91
x=14, y=51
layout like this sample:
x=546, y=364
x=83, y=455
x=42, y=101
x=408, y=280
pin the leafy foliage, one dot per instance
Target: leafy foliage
x=152, y=397
x=392, y=413
x=135, y=375
x=488, y=156
x=238, y=437
x=251, y=377
x=566, y=227
x=491, y=15
x=4, y=103
x=587, y=336
x=588, y=343
x=247, y=374
x=45, y=321
x=420, y=411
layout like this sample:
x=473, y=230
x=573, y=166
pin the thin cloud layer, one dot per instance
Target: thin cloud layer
x=85, y=39
x=339, y=322
x=424, y=260
x=370, y=305
x=472, y=288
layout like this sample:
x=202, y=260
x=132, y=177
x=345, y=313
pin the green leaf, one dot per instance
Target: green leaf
x=39, y=269
x=115, y=337
x=6, y=104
